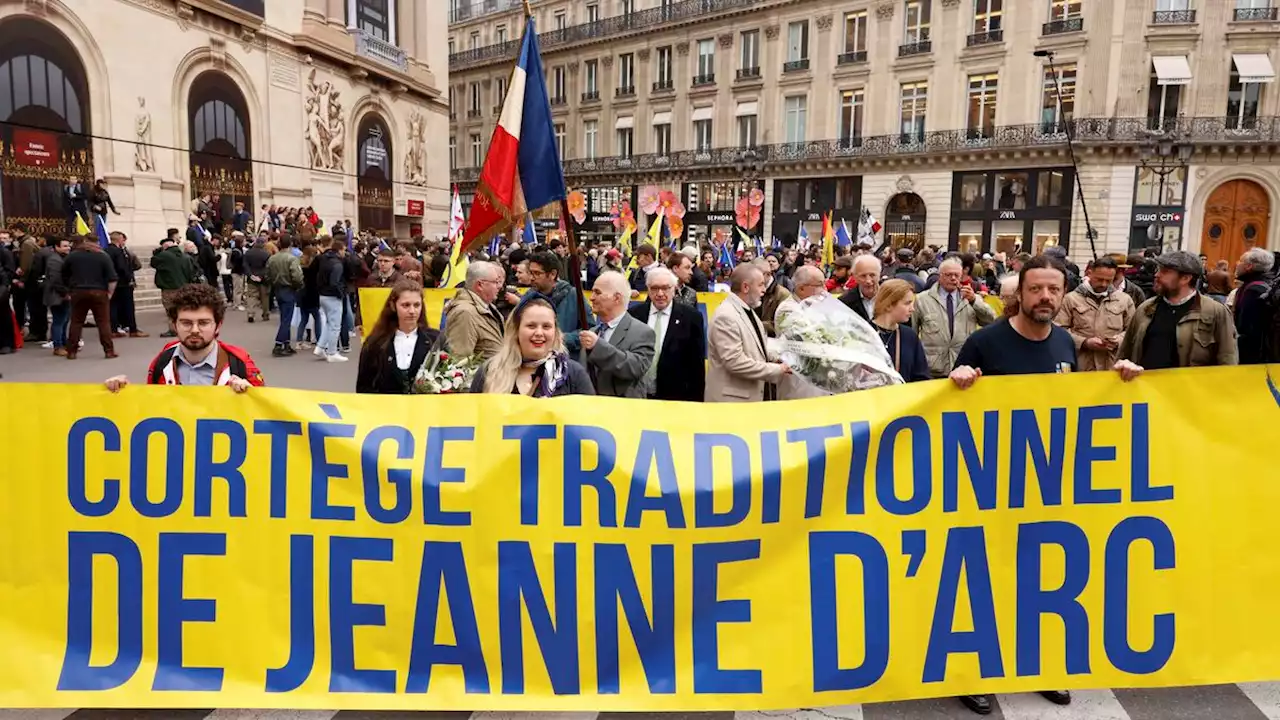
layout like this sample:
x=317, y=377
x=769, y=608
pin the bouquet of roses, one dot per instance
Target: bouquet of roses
x=442, y=374
x=832, y=350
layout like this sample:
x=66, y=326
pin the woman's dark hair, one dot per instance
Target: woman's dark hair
x=389, y=320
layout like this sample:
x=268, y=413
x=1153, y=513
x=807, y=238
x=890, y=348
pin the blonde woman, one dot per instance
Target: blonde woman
x=532, y=359
x=895, y=301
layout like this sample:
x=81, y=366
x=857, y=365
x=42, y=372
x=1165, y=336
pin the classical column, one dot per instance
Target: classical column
x=338, y=12
x=406, y=36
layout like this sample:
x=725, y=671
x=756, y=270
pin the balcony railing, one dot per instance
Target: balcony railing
x=849, y=58
x=915, y=48
x=1173, y=17
x=637, y=21
x=750, y=73
x=473, y=113
x=795, y=65
x=591, y=96
x=375, y=48
x=708, y=79
x=663, y=85
x=985, y=38
x=1121, y=132
x=1267, y=14
x=480, y=8
x=559, y=100
x=1058, y=27
x=625, y=91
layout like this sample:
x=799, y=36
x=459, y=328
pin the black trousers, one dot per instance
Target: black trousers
x=123, y=316
x=37, y=313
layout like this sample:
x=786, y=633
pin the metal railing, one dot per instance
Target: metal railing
x=1173, y=17
x=985, y=38
x=1123, y=132
x=607, y=27
x=591, y=96
x=849, y=58
x=375, y=48
x=663, y=85
x=1058, y=27
x=915, y=48
x=1267, y=14
x=751, y=73
x=473, y=113
x=625, y=91
x=795, y=65
x=707, y=79
x=559, y=100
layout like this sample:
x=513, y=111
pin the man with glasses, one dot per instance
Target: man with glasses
x=679, y=369
x=809, y=282
x=472, y=325
x=197, y=357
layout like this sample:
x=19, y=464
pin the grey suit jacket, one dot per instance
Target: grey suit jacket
x=619, y=365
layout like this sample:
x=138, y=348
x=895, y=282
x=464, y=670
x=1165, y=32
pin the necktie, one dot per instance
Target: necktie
x=951, y=314
x=659, y=332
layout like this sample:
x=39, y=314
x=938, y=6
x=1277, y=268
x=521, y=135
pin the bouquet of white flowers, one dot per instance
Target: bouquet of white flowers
x=443, y=374
x=832, y=350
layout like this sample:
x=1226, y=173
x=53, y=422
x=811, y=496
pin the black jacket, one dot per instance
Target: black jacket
x=912, y=366
x=853, y=299
x=378, y=373
x=123, y=264
x=682, y=369
x=331, y=275
x=255, y=263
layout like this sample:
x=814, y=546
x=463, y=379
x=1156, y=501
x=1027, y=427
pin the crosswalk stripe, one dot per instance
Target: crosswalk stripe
x=1091, y=704
x=1265, y=696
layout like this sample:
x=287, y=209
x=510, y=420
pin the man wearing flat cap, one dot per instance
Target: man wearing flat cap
x=1179, y=327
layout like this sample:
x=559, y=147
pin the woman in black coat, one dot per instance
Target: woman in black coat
x=894, y=303
x=395, y=350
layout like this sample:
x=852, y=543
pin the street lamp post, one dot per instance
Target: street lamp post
x=1089, y=232
x=1163, y=155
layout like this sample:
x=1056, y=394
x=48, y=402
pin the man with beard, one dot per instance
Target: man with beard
x=1027, y=343
x=1179, y=327
x=198, y=357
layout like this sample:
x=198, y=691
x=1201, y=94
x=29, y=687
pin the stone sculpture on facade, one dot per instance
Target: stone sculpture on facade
x=326, y=128
x=415, y=160
x=143, y=160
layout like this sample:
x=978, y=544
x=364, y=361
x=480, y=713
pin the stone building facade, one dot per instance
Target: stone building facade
x=948, y=119
x=335, y=104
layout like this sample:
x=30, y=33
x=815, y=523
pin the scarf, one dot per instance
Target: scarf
x=1088, y=290
x=548, y=375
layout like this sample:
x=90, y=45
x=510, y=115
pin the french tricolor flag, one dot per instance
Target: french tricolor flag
x=522, y=172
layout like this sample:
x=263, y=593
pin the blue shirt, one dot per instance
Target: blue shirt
x=201, y=373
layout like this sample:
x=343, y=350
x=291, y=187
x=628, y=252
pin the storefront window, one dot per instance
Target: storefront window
x=970, y=239
x=1011, y=191
x=1153, y=190
x=1008, y=236
x=1049, y=191
x=847, y=193
x=788, y=196
x=602, y=199
x=712, y=196
x=1046, y=234
x=973, y=192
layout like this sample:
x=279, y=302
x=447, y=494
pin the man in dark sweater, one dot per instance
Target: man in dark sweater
x=1179, y=327
x=91, y=280
x=124, y=320
x=257, y=292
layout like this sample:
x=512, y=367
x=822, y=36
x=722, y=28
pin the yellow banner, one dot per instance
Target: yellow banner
x=435, y=299
x=189, y=547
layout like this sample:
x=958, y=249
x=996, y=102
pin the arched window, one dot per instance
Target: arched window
x=375, y=196
x=220, y=141
x=375, y=149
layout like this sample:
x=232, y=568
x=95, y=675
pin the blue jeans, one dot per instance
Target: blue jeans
x=332, y=308
x=61, y=318
x=286, y=297
x=303, y=315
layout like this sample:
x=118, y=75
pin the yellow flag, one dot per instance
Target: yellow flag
x=82, y=228
x=457, y=270
x=624, y=242
x=655, y=229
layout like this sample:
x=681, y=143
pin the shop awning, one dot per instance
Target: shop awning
x=747, y=108
x=703, y=113
x=624, y=123
x=662, y=118
x=1254, y=68
x=1172, y=69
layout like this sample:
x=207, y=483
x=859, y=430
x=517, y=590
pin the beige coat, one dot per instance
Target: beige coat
x=1086, y=316
x=930, y=322
x=471, y=327
x=739, y=363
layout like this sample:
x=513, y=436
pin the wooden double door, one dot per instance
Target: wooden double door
x=1236, y=218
